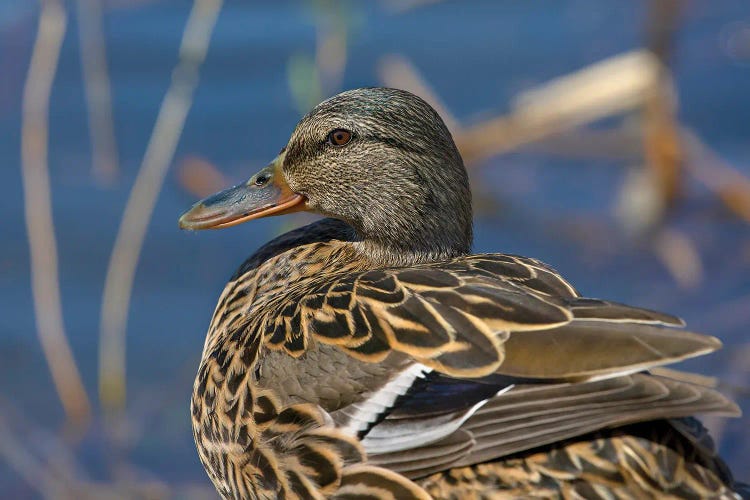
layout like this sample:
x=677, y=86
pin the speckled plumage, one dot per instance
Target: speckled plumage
x=646, y=460
x=369, y=355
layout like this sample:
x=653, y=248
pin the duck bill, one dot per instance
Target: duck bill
x=266, y=193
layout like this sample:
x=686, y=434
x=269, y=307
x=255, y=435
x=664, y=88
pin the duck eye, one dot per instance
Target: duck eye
x=339, y=137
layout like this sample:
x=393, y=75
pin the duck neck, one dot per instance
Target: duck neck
x=415, y=246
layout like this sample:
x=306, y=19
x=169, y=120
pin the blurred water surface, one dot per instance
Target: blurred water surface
x=476, y=58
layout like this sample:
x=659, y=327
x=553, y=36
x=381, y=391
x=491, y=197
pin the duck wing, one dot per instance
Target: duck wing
x=502, y=355
x=528, y=416
x=476, y=316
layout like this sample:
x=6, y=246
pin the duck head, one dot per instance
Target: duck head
x=379, y=159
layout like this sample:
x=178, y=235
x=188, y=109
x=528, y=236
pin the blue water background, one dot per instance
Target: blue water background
x=476, y=55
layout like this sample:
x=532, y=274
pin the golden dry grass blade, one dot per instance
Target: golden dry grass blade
x=97, y=87
x=613, y=86
x=606, y=88
x=140, y=205
x=661, y=142
x=726, y=181
x=38, y=211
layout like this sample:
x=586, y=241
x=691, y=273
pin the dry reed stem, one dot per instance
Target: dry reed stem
x=724, y=180
x=616, y=85
x=38, y=212
x=159, y=154
x=613, y=86
x=661, y=143
x=97, y=88
x=609, y=87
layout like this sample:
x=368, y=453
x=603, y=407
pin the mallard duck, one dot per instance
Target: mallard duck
x=371, y=355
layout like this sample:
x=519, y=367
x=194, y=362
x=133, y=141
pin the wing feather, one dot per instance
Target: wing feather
x=546, y=364
x=529, y=416
x=479, y=315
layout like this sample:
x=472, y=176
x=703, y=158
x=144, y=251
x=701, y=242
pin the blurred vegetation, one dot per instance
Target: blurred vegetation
x=633, y=93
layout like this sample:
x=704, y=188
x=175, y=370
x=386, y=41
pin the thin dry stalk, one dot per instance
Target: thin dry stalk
x=661, y=145
x=97, y=87
x=38, y=211
x=662, y=148
x=606, y=88
x=724, y=180
x=610, y=87
x=140, y=205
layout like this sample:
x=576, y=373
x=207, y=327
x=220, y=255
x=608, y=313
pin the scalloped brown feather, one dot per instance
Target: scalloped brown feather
x=466, y=317
x=452, y=316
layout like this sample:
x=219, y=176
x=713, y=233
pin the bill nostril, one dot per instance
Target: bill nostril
x=261, y=180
